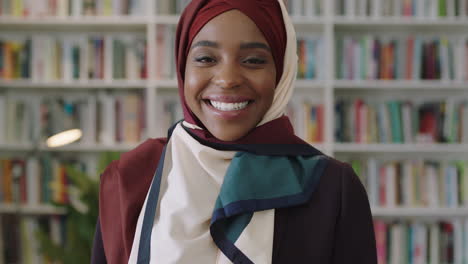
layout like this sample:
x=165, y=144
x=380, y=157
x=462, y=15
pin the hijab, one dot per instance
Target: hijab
x=271, y=18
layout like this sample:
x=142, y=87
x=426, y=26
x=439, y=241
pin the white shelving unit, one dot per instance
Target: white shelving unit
x=401, y=148
x=93, y=84
x=30, y=209
x=327, y=89
x=420, y=213
x=328, y=25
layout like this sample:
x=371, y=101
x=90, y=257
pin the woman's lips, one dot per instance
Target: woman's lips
x=228, y=98
x=228, y=107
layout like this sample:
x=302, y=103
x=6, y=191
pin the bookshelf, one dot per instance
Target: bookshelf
x=328, y=21
x=426, y=213
x=353, y=148
x=30, y=210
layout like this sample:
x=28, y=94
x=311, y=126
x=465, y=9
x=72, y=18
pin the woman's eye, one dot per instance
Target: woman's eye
x=255, y=61
x=205, y=59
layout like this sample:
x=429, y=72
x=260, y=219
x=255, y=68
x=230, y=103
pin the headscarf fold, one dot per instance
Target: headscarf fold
x=271, y=18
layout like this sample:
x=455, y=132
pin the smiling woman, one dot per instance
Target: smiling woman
x=232, y=183
x=230, y=76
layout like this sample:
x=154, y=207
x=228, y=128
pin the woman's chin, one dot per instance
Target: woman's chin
x=226, y=134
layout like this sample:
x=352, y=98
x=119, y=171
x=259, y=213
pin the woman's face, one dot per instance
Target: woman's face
x=230, y=76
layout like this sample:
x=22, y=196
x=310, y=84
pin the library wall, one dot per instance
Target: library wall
x=381, y=84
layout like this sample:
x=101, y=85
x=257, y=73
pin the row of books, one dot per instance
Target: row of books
x=168, y=111
x=416, y=242
x=170, y=7
x=311, y=53
x=309, y=8
x=70, y=8
x=19, y=242
x=410, y=57
x=165, y=54
x=403, y=8
x=414, y=183
x=33, y=181
x=308, y=120
x=306, y=116
x=401, y=121
x=68, y=58
x=105, y=118
x=16, y=120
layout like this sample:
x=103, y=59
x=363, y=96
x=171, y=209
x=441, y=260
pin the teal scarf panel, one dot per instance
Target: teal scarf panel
x=258, y=182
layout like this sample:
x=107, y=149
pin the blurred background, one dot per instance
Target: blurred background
x=382, y=84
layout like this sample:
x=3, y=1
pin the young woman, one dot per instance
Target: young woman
x=232, y=183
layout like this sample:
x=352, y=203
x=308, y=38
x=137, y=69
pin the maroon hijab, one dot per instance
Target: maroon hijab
x=267, y=15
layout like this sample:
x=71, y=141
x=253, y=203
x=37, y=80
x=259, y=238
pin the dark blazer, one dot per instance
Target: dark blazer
x=335, y=226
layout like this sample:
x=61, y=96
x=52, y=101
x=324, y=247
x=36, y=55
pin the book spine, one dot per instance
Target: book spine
x=88, y=120
x=106, y=58
x=432, y=182
x=107, y=135
x=350, y=7
x=32, y=180
x=310, y=10
x=465, y=239
x=397, y=8
x=77, y=8
x=463, y=9
x=67, y=63
x=3, y=124
x=107, y=9
x=2, y=236
x=434, y=248
x=407, y=122
x=407, y=180
x=297, y=8
x=381, y=241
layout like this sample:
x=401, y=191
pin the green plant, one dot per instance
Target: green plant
x=81, y=216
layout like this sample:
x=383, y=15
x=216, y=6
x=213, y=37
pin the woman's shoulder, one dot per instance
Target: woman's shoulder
x=142, y=158
x=341, y=175
x=337, y=165
x=122, y=192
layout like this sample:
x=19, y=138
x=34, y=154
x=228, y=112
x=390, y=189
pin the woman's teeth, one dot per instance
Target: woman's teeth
x=229, y=106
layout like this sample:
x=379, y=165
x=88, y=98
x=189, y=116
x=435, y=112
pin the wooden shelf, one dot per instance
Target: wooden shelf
x=297, y=20
x=310, y=21
x=119, y=23
x=310, y=84
x=118, y=147
x=167, y=19
x=89, y=84
x=420, y=212
x=30, y=209
x=15, y=147
x=372, y=22
x=166, y=84
x=401, y=84
x=400, y=148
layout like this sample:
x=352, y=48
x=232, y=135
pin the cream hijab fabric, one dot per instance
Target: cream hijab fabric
x=181, y=227
x=285, y=87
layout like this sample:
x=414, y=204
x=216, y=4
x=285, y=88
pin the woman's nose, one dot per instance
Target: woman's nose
x=228, y=76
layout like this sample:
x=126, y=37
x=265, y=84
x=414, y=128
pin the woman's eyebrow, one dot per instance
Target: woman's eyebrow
x=255, y=45
x=248, y=45
x=205, y=43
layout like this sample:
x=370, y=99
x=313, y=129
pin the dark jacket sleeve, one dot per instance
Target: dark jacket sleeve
x=98, y=255
x=354, y=237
